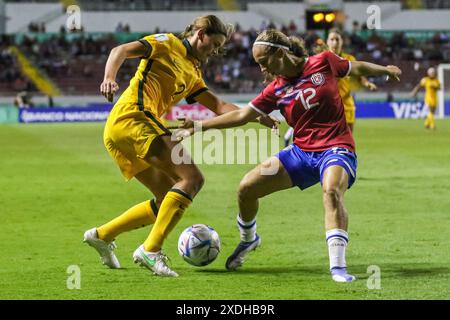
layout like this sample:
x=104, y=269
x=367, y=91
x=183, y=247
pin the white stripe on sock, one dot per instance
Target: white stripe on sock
x=247, y=234
x=337, y=244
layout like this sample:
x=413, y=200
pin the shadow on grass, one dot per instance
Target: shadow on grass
x=268, y=270
x=394, y=178
x=360, y=271
x=414, y=270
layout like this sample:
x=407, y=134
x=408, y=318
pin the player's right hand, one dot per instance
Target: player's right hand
x=394, y=72
x=108, y=88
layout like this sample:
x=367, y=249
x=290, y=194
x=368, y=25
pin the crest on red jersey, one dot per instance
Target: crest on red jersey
x=317, y=79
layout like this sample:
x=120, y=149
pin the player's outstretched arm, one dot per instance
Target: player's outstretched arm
x=362, y=68
x=235, y=118
x=219, y=107
x=116, y=58
x=214, y=103
x=415, y=90
x=231, y=119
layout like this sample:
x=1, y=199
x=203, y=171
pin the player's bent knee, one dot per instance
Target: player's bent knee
x=196, y=180
x=245, y=191
x=332, y=194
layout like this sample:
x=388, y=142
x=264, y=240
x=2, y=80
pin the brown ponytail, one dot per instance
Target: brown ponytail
x=211, y=24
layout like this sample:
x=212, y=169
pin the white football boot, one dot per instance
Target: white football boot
x=341, y=275
x=242, y=250
x=156, y=262
x=105, y=249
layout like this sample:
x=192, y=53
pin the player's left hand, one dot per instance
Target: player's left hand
x=185, y=123
x=184, y=129
x=394, y=72
x=371, y=86
x=268, y=121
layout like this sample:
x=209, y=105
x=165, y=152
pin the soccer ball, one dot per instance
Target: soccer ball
x=199, y=245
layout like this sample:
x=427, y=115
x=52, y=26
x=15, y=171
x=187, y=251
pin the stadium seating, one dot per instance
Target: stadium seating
x=77, y=65
x=75, y=61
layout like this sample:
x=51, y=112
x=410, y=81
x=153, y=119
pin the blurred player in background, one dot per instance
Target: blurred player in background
x=335, y=42
x=142, y=147
x=306, y=92
x=431, y=85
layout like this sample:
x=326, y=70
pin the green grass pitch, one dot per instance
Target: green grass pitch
x=56, y=181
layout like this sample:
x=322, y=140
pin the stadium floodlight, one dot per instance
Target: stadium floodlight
x=320, y=19
x=441, y=93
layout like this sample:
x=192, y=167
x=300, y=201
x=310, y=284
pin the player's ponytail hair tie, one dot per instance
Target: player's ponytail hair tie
x=270, y=44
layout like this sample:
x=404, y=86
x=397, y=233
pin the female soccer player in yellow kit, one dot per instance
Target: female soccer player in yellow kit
x=142, y=147
x=431, y=85
x=335, y=42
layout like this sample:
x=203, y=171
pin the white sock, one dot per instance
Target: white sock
x=247, y=230
x=337, y=240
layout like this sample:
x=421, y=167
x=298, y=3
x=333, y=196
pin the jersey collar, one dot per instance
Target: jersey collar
x=189, y=51
x=188, y=46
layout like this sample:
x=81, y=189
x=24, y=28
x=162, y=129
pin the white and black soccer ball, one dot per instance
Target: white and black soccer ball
x=199, y=245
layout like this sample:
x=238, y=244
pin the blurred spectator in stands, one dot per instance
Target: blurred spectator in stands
x=263, y=25
x=20, y=84
x=397, y=45
x=310, y=38
x=119, y=27
x=33, y=27
x=23, y=100
x=80, y=57
x=271, y=25
x=398, y=41
x=439, y=38
x=87, y=71
x=126, y=28
x=376, y=46
x=364, y=26
x=51, y=103
x=389, y=97
x=132, y=5
x=167, y=5
x=292, y=28
x=42, y=27
x=284, y=29
x=74, y=29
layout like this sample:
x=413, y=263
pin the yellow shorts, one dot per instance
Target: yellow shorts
x=350, y=115
x=128, y=135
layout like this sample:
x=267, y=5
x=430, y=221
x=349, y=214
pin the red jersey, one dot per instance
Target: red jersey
x=311, y=103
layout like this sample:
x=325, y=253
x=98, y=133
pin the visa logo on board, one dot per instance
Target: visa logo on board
x=409, y=110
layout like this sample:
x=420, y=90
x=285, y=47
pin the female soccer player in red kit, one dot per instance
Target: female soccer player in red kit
x=305, y=90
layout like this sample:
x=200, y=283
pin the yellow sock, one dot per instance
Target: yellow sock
x=138, y=216
x=432, y=124
x=172, y=208
x=427, y=121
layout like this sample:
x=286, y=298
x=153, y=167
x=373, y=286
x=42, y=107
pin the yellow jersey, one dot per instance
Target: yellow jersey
x=165, y=76
x=344, y=86
x=431, y=85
